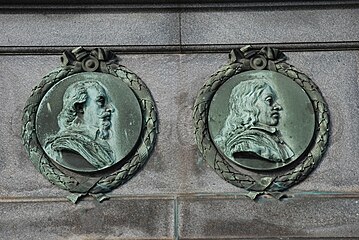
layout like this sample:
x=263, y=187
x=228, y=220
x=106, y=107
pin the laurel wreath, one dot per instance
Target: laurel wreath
x=271, y=59
x=81, y=60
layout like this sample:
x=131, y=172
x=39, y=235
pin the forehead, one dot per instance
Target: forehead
x=96, y=90
x=268, y=91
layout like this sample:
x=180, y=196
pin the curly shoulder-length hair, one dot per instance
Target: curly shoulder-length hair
x=242, y=110
x=74, y=98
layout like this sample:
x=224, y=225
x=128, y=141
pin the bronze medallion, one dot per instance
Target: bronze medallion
x=97, y=112
x=268, y=123
x=90, y=125
x=261, y=123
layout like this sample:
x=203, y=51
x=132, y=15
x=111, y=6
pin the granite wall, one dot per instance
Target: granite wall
x=174, y=48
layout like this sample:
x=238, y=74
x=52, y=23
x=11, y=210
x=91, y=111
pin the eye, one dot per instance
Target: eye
x=101, y=100
x=269, y=100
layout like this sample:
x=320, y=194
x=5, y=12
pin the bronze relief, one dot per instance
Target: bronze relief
x=90, y=125
x=261, y=124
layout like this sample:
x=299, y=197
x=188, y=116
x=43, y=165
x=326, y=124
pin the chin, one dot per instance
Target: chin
x=274, y=122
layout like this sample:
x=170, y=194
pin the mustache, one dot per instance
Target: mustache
x=104, y=114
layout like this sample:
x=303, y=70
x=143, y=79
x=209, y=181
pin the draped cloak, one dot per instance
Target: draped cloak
x=263, y=141
x=97, y=152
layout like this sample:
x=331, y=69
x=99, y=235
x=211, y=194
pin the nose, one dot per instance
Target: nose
x=110, y=108
x=277, y=107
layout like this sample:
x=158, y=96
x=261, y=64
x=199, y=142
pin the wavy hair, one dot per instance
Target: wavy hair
x=75, y=95
x=242, y=110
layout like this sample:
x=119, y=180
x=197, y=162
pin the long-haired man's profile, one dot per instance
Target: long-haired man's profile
x=250, y=127
x=84, y=123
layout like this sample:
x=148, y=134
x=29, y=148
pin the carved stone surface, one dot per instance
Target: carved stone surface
x=105, y=120
x=260, y=113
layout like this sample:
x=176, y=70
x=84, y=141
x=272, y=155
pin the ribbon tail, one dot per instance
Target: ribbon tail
x=100, y=197
x=74, y=197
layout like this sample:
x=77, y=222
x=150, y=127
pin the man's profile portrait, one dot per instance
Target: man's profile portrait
x=84, y=125
x=250, y=129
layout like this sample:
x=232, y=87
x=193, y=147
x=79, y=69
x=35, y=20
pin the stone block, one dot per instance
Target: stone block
x=74, y=28
x=114, y=219
x=176, y=165
x=241, y=26
x=305, y=218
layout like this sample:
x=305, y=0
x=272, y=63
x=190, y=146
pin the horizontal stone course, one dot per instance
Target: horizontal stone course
x=175, y=27
x=245, y=219
x=240, y=26
x=81, y=28
x=115, y=219
x=176, y=165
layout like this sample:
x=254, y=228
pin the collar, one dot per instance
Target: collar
x=264, y=128
x=90, y=131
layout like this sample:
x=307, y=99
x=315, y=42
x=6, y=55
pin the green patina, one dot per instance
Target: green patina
x=262, y=126
x=260, y=123
x=89, y=125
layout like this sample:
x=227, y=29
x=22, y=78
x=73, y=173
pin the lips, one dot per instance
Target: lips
x=275, y=115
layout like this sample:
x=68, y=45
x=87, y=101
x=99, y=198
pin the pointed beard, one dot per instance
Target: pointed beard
x=105, y=124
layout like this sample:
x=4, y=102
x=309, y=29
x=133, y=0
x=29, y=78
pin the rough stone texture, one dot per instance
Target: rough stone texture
x=84, y=28
x=336, y=74
x=176, y=193
x=245, y=219
x=273, y=26
x=176, y=165
x=117, y=219
x=18, y=76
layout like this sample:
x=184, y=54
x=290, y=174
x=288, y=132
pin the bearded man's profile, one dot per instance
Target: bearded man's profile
x=250, y=127
x=84, y=123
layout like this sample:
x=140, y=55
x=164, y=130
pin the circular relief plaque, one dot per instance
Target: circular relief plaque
x=88, y=121
x=261, y=120
x=260, y=123
x=89, y=125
